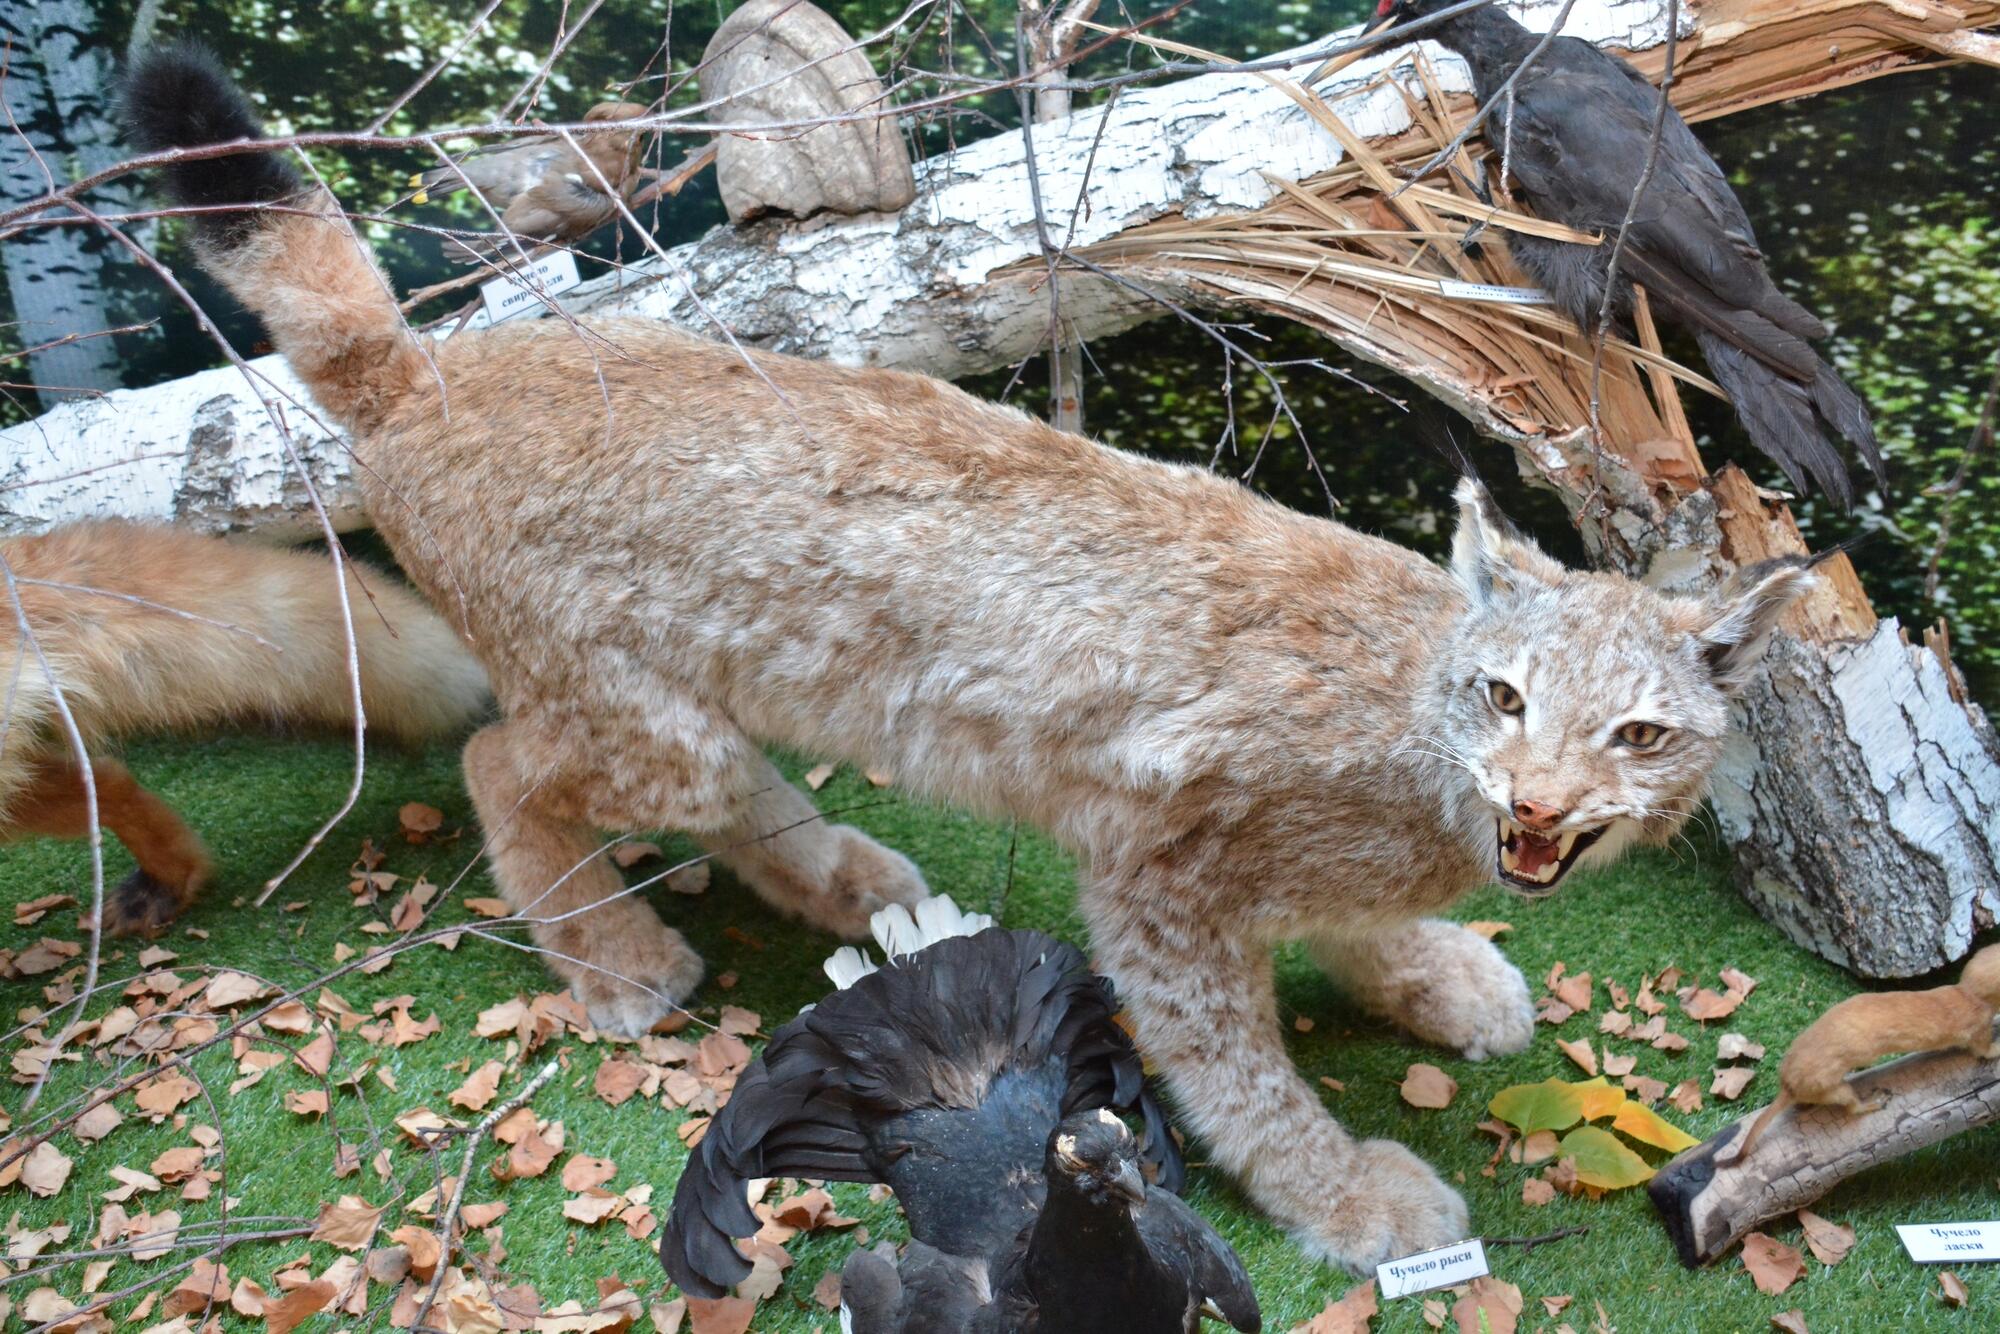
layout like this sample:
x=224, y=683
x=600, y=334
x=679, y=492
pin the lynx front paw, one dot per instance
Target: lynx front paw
x=868, y=878
x=1393, y=1205
x=1467, y=996
x=630, y=972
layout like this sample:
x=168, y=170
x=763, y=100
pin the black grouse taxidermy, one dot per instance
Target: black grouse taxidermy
x=978, y=1073
x=1577, y=130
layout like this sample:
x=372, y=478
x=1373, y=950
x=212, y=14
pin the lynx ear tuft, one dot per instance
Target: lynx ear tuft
x=1488, y=554
x=1746, y=611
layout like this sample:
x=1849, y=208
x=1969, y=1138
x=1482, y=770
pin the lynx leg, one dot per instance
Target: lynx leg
x=173, y=865
x=1205, y=1012
x=832, y=876
x=1438, y=981
x=628, y=967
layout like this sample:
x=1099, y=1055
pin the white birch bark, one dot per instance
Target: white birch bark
x=53, y=89
x=920, y=290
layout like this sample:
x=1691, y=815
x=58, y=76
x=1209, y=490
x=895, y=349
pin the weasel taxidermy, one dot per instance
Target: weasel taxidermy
x=1862, y=1030
x=145, y=628
x=1248, y=724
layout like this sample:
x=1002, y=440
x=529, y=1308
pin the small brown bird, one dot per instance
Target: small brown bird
x=542, y=187
x=1861, y=1030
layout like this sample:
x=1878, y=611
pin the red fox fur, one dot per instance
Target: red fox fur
x=100, y=599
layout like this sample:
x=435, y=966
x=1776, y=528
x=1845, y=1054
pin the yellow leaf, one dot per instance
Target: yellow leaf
x=1645, y=1125
x=1549, y=1105
x=1602, y=1161
x=1599, y=1098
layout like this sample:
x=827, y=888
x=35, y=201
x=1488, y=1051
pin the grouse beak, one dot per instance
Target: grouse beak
x=1128, y=1184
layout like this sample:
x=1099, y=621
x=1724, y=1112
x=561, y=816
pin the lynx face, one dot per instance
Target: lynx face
x=1586, y=709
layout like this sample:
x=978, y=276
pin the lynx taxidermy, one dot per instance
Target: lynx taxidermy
x=1250, y=725
x=146, y=627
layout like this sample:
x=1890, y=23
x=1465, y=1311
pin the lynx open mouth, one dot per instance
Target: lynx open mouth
x=1533, y=862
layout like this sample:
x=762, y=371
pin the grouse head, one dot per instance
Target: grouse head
x=1392, y=13
x=1097, y=1157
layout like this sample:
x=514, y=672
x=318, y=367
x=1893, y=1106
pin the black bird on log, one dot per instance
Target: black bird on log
x=979, y=1074
x=1574, y=132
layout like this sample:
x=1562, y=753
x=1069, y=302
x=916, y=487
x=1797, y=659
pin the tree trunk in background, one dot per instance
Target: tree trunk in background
x=58, y=72
x=1864, y=798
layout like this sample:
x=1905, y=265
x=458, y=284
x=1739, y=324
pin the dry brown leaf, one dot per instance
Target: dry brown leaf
x=1488, y=930
x=1734, y=1045
x=617, y=1080
x=1740, y=983
x=582, y=1172
x=1535, y=1191
x=817, y=775
x=1773, y=1265
x=177, y=1164
x=1428, y=1086
x=1574, y=992
x=419, y=821
x=1349, y=1315
x=723, y=1315
x=1707, y=1005
x=1617, y=1067
x=159, y=1096
x=1618, y=1023
x=1581, y=1053
x=1950, y=1290
x=592, y=1207
x=96, y=1123
x=1538, y=1147
x=1686, y=1097
x=1489, y=1306
x=46, y=1169
x=316, y=1057
x=488, y=908
x=422, y=1246
x=1828, y=1241
x=1648, y=1091
x=283, y=1314
x=1555, y=1306
x=310, y=1102
x=480, y=1087
x=532, y=1155
x=31, y=912
x=1549, y=1010
x=1730, y=1081
x=1791, y=1322
x=1333, y=1083
x=348, y=1225
x=247, y=1299
x=230, y=988
x=205, y=1286
x=483, y=1215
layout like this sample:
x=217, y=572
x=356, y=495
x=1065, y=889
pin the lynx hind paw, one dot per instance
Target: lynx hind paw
x=868, y=879
x=1393, y=1205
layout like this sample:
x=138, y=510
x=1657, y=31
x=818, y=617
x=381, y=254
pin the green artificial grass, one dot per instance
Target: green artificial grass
x=256, y=800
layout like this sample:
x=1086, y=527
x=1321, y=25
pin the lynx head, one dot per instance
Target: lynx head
x=1587, y=708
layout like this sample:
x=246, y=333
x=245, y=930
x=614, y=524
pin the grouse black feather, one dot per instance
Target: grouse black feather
x=1577, y=129
x=949, y=1074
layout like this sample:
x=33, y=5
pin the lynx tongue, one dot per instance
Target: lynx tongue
x=1532, y=852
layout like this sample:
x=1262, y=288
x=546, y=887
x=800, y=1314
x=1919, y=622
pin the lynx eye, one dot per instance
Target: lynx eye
x=1642, y=736
x=1504, y=697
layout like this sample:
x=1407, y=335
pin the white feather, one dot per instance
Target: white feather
x=848, y=966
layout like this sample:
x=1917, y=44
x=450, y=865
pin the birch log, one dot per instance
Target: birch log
x=1865, y=798
x=1805, y=1152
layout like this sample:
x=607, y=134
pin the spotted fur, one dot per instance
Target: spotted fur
x=1249, y=725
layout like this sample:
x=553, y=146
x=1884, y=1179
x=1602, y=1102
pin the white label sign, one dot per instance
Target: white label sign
x=1512, y=296
x=521, y=291
x=1425, y=1270
x=1935, y=1243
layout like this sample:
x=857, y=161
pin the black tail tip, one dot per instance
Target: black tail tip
x=180, y=96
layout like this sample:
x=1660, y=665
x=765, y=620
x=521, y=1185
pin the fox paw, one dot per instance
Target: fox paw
x=142, y=905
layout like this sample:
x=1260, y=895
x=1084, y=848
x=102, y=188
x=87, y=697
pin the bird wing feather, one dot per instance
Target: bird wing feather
x=1174, y=1233
x=965, y=1054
